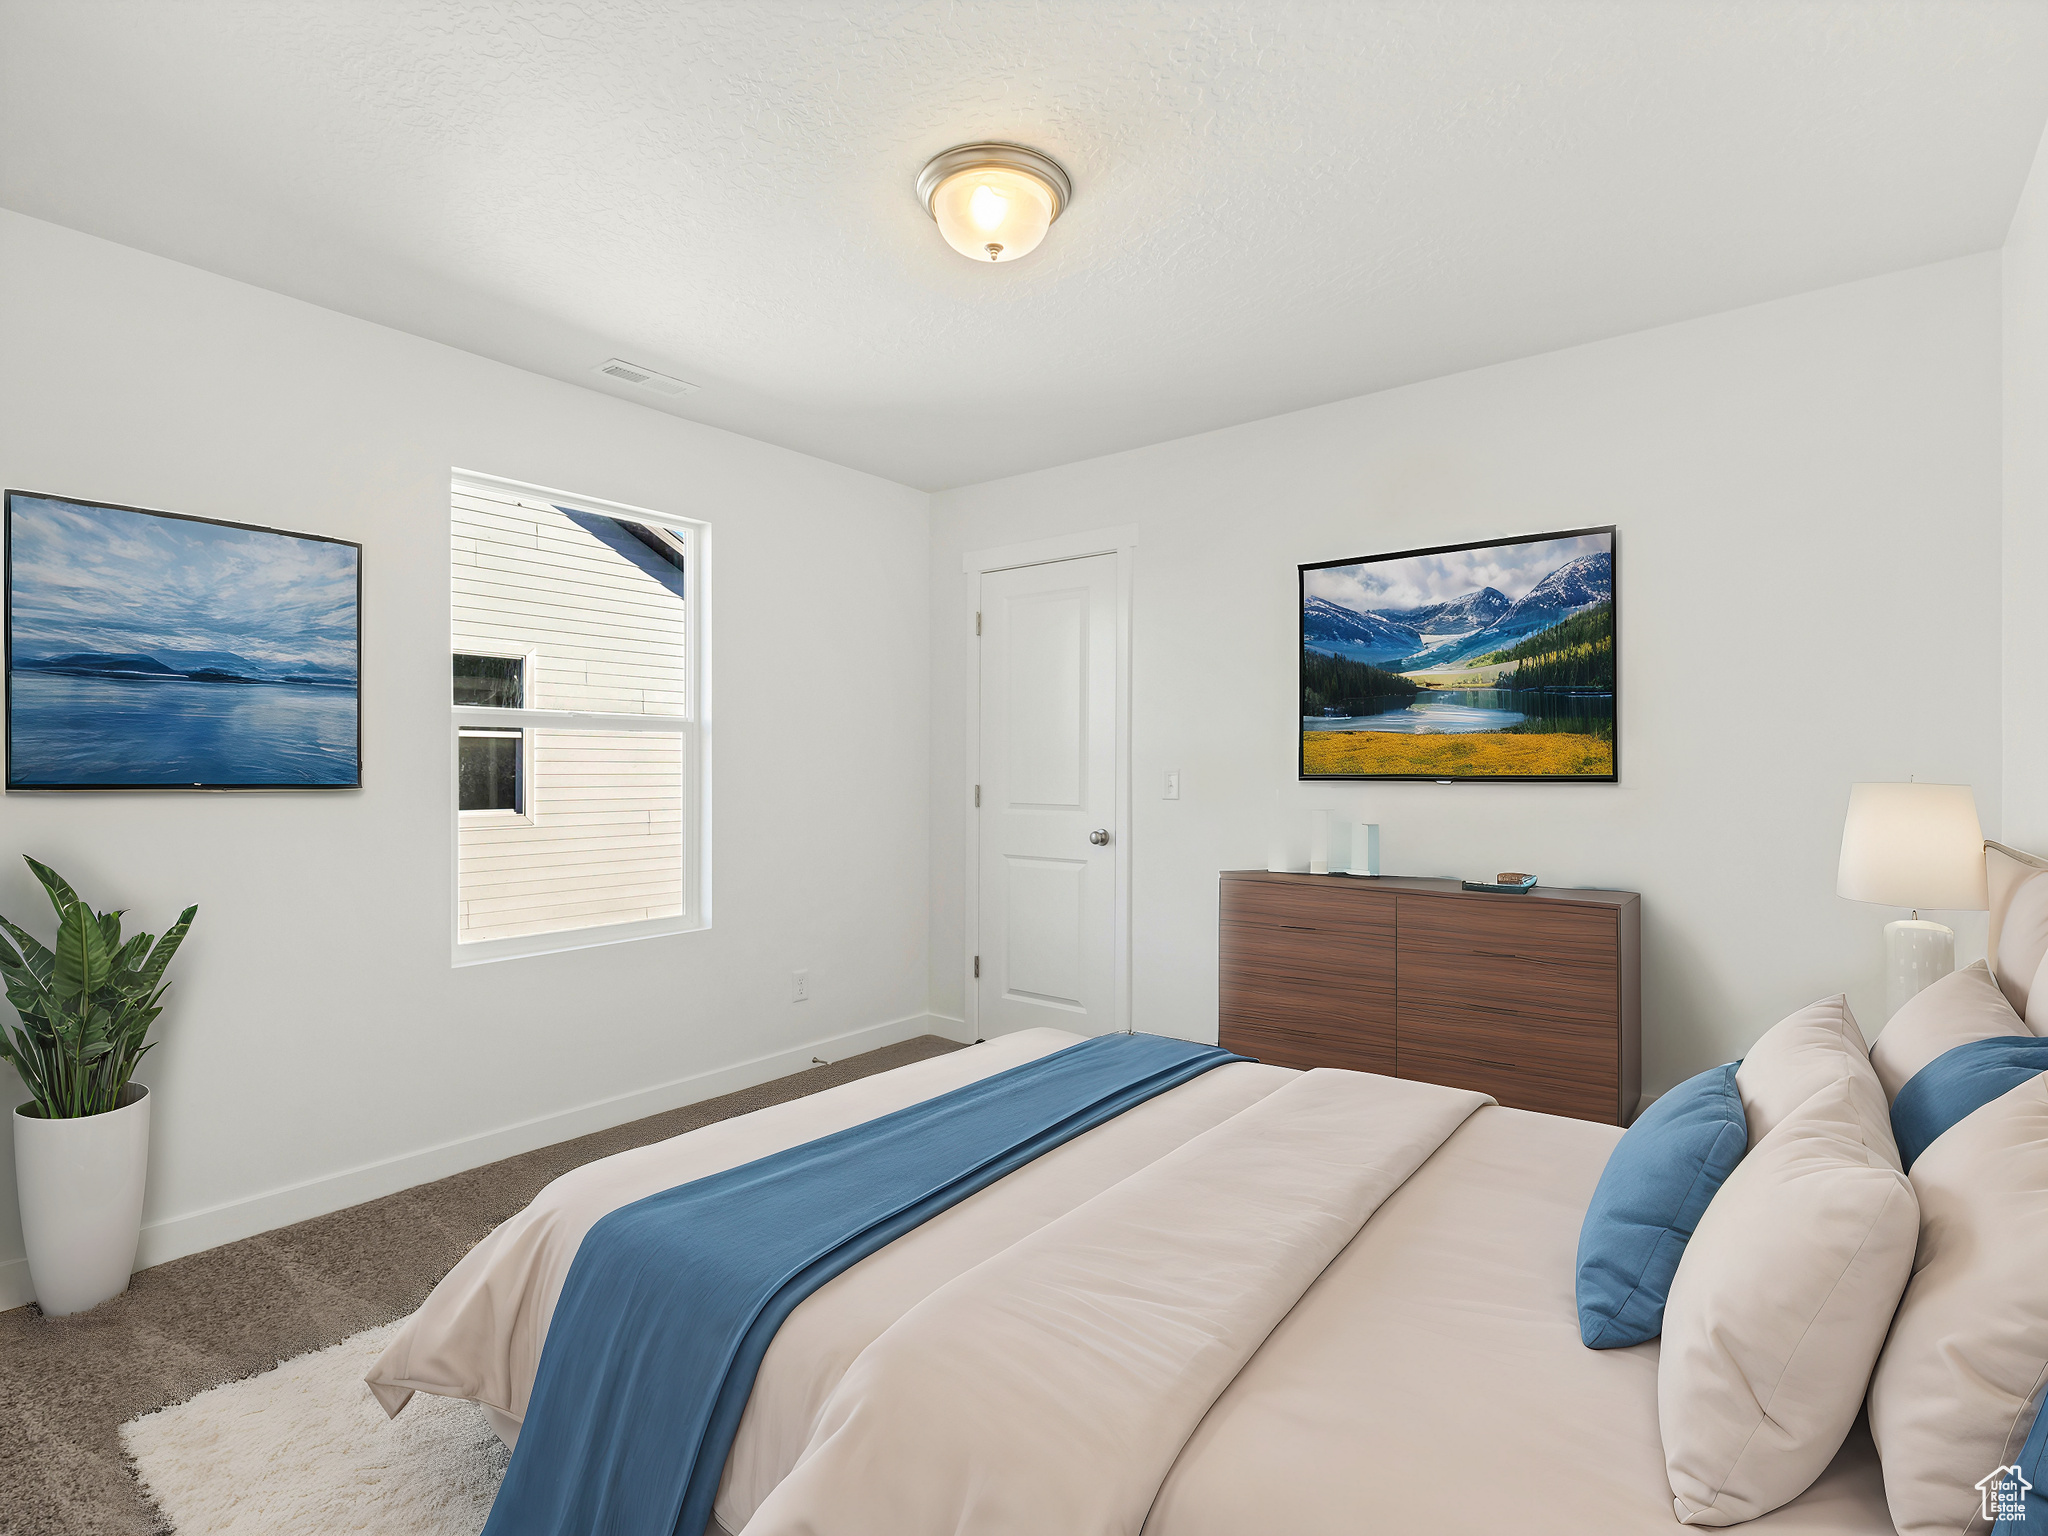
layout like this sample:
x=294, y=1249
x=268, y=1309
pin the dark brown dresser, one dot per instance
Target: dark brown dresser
x=1535, y=999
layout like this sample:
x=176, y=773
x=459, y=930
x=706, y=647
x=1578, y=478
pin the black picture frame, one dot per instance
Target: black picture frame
x=8, y=640
x=1610, y=530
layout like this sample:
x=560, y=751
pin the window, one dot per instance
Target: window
x=576, y=726
x=490, y=770
x=496, y=682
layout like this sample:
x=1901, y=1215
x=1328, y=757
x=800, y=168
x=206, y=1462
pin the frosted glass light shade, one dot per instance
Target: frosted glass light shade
x=993, y=214
x=1913, y=845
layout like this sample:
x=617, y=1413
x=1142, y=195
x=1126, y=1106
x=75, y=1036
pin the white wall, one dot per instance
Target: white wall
x=320, y=1048
x=1808, y=500
x=2025, y=650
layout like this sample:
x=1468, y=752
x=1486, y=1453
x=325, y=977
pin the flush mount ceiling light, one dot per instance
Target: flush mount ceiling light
x=994, y=202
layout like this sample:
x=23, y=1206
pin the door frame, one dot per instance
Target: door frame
x=1121, y=542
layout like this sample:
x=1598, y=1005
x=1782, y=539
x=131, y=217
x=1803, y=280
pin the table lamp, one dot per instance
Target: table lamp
x=1913, y=846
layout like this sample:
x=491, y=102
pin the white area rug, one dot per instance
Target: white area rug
x=305, y=1449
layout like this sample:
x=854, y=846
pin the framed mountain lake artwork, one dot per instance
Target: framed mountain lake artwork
x=1492, y=661
x=151, y=650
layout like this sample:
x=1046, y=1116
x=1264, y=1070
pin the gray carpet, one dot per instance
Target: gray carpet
x=67, y=1385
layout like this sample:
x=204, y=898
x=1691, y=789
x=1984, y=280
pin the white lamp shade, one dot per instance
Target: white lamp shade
x=1913, y=845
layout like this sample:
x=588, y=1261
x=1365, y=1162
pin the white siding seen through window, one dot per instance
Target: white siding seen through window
x=575, y=725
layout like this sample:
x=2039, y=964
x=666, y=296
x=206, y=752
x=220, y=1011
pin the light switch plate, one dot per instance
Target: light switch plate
x=1173, y=783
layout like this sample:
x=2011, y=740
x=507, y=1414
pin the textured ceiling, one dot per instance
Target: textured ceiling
x=1275, y=204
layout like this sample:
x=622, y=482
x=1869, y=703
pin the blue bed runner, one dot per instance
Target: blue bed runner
x=1958, y=1083
x=672, y=1301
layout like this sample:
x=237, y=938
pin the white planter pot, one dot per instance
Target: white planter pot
x=80, y=1183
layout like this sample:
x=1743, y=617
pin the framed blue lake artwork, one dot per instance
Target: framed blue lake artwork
x=152, y=650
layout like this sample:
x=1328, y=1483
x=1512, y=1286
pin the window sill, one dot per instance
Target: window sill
x=522, y=946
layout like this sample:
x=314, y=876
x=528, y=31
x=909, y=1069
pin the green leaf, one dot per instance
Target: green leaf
x=28, y=1064
x=81, y=954
x=36, y=1027
x=33, y=954
x=167, y=946
x=30, y=999
x=110, y=929
x=61, y=894
x=130, y=957
x=14, y=974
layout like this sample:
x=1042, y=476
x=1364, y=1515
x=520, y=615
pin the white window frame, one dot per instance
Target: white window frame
x=694, y=727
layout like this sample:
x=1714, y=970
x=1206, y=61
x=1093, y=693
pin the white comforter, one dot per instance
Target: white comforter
x=1052, y=1387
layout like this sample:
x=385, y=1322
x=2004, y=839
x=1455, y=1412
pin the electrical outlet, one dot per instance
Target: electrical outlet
x=1173, y=783
x=799, y=986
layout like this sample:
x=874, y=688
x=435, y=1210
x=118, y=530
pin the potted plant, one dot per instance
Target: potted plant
x=81, y=1145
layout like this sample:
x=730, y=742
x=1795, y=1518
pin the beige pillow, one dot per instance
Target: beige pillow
x=2021, y=943
x=1966, y=1005
x=1800, y=1055
x=1955, y=1389
x=1778, y=1310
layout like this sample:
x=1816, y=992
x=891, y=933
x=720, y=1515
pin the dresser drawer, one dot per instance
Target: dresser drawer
x=1319, y=908
x=1510, y=928
x=1510, y=986
x=1321, y=984
x=1312, y=957
x=1282, y=1047
x=1524, y=1063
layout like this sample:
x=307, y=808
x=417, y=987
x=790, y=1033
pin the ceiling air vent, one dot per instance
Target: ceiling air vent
x=643, y=378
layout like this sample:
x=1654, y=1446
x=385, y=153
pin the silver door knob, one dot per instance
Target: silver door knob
x=1099, y=837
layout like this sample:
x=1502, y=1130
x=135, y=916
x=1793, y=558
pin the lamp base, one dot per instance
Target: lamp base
x=1916, y=954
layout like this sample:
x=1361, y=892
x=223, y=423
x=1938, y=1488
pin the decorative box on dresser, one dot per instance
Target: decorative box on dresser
x=1533, y=998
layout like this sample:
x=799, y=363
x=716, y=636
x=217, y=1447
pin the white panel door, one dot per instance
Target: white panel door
x=1047, y=897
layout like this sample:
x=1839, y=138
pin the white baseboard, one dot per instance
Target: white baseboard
x=176, y=1236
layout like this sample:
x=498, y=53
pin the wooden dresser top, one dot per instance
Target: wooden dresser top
x=1411, y=885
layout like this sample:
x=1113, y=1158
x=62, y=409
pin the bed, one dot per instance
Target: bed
x=1429, y=1375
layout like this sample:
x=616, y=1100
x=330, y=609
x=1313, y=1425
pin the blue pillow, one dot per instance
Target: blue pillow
x=1651, y=1195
